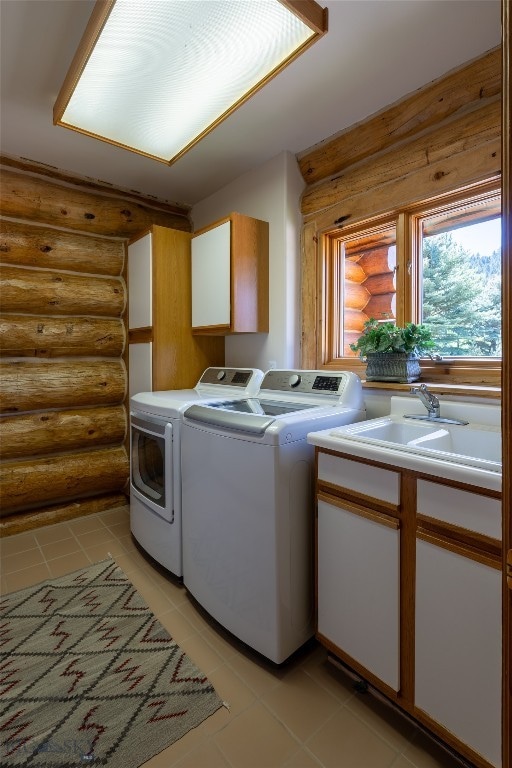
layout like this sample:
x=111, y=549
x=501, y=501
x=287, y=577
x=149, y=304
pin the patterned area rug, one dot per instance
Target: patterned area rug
x=88, y=676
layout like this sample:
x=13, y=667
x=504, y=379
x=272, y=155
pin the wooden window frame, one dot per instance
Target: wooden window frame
x=469, y=375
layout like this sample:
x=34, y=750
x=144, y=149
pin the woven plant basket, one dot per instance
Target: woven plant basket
x=392, y=366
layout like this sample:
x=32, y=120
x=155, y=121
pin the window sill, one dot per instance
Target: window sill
x=465, y=390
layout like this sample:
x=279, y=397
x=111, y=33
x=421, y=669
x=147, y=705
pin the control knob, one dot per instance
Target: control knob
x=221, y=375
x=294, y=380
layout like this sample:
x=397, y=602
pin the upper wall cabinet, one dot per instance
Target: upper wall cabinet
x=230, y=277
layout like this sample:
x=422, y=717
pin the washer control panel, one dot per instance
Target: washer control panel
x=305, y=382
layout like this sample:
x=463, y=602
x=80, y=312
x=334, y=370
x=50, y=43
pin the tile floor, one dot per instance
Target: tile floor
x=306, y=714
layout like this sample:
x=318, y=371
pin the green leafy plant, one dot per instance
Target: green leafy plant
x=388, y=337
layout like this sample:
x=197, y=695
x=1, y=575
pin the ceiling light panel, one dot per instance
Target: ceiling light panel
x=162, y=73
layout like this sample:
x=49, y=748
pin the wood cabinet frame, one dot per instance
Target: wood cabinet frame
x=413, y=525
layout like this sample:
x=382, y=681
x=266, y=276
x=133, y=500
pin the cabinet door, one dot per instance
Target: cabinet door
x=140, y=298
x=358, y=570
x=458, y=646
x=140, y=368
x=211, y=277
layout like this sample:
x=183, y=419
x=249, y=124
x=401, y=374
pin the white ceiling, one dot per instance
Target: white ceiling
x=376, y=52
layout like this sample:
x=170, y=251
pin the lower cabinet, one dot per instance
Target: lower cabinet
x=408, y=595
x=458, y=646
x=358, y=587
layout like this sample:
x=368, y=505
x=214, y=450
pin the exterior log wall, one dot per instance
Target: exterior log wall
x=439, y=139
x=63, y=420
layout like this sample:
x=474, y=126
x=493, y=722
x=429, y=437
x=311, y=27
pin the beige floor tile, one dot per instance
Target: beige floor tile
x=302, y=759
x=389, y=724
x=225, y=644
x=206, y=755
x=115, y=516
x=255, y=739
x=301, y=704
x=119, y=529
x=19, y=542
x=402, y=762
x=194, y=613
x=329, y=676
x=21, y=560
x=94, y=538
x=177, y=625
x=59, y=566
x=345, y=742
x=260, y=677
x=216, y=722
x=60, y=548
x=232, y=689
x=27, y=577
x=51, y=533
x=202, y=654
x=102, y=550
x=86, y=524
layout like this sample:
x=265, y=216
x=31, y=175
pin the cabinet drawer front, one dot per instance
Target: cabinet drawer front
x=358, y=589
x=458, y=647
x=381, y=484
x=467, y=510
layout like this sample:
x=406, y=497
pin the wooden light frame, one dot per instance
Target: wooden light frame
x=308, y=12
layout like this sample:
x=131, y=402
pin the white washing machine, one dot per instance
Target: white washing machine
x=248, y=505
x=155, y=467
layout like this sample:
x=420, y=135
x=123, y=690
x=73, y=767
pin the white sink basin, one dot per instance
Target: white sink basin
x=465, y=453
x=475, y=445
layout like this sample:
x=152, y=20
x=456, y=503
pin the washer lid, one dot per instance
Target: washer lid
x=229, y=419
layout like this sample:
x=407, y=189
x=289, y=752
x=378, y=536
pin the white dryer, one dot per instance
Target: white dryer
x=248, y=504
x=155, y=467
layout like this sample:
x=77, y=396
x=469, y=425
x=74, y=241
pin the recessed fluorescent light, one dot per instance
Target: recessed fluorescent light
x=155, y=76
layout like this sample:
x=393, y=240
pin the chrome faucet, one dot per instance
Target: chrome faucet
x=430, y=401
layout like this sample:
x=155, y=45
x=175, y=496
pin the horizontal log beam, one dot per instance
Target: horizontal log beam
x=472, y=84
x=30, y=386
x=38, y=336
x=450, y=141
x=382, y=306
x=377, y=260
x=29, y=484
x=19, y=522
x=60, y=293
x=46, y=432
x=28, y=245
x=38, y=200
x=354, y=272
x=355, y=296
x=468, y=167
x=376, y=284
x=95, y=185
x=354, y=320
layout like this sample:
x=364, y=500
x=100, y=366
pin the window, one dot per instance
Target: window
x=437, y=263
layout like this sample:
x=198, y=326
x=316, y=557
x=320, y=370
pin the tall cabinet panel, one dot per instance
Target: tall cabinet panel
x=163, y=353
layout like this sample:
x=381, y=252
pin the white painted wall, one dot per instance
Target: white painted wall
x=272, y=193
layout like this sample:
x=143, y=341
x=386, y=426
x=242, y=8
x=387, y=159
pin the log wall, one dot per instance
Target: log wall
x=63, y=378
x=441, y=138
